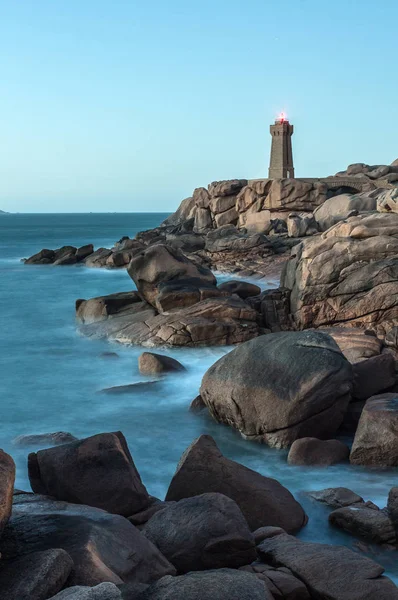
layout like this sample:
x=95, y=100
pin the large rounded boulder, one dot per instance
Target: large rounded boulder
x=167, y=279
x=203, y=532
x=281, y=387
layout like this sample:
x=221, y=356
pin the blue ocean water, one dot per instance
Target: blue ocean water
x=51, y=376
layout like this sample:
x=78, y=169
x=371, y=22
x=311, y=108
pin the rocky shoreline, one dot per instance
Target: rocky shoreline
x=91, y=531
x=314, y=370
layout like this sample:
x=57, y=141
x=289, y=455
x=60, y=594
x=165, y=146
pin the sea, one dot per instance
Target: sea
x=51, y=377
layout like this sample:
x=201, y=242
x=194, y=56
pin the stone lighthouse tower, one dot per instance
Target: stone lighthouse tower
x=281, y=161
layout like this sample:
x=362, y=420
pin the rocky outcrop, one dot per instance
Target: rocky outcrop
x=329, y=572
x=213, y=322
x=262, y=500
x=349, y=275
x=166, y=279
x=97, y=471
x=67, y=255
x=252, y=390
x=323, y=453
x=376, y=438
x=203, y=532
x=340, y=207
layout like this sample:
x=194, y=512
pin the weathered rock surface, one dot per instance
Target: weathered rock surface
x=97, y=471
x=388, y=201
x=323, y=453
x=166, y=279
x=293, y=194
x=376, y=438
x=44, y=257
x=262, y=500
x=252, y=390
x=347, y=275
x=212, y=322
x=35, y=576
x=373, y=376
x=226, y=188
x=45, y=439
x=337, y=497
x=103, y=547
x=203, y=532
x=119, y=304
x=356, y=345
x=338, y=208
x=301, y=224
x=102, y=591
x=150, y=363
x=280, y=582
x=7, y=479
x=220, y=584
x=98, y=258
x=329, y=572
x=372, y=525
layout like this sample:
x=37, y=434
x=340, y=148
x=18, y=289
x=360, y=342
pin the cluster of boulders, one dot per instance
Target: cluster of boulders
x=91, y=531
x=299, y=390
x=177, y=303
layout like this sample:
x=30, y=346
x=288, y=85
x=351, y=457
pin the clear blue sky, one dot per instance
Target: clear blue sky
x=110, y=105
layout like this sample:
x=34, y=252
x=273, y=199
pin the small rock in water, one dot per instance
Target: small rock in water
x=109, y=355
x=372, y=525
x=151, y=363
x=48, y=439
x=197, y=405
x=322, y=453
x=130, y=388
x=336, y=497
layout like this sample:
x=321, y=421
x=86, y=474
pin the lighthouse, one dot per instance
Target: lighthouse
x=281, y=160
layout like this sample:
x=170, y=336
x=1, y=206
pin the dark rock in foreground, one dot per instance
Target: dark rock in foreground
x=35, y=576
x=280, y=387
x=329, y=572
x=262, y=500
x=220, y=584
x=103, y=547
x=204, y=532
x=97, y=471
